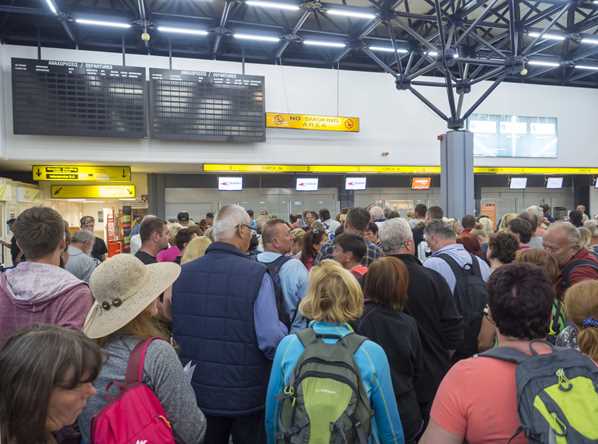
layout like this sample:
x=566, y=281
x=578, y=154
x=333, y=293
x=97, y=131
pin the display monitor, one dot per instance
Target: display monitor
x=307, y=184
x=355, y=183
x=554, y=182
x=421, y=183
x=596, y=183
x=230, y=183
x=518, y=183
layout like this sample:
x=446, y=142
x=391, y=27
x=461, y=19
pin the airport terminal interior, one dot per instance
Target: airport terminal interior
x=117, y=113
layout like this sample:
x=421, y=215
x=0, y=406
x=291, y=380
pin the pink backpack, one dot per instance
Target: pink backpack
x=135, y=416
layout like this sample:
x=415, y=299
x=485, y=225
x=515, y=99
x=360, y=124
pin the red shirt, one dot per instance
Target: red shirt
x=360, y=269
x=581, y=272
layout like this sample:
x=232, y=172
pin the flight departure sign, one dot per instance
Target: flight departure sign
x=79, y=173
x=206, y=106
x=53, y=97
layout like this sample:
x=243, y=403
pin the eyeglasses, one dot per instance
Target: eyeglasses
x=243, y=225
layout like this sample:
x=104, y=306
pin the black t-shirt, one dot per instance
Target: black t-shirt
x=146, y=258
x=99, y=249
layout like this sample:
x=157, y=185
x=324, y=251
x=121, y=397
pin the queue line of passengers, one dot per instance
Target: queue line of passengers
x=211, y=340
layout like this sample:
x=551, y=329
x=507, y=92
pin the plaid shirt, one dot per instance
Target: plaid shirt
x=372, y=254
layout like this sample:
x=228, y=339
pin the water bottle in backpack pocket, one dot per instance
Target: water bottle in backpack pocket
x=325, y=401
x=557, y=394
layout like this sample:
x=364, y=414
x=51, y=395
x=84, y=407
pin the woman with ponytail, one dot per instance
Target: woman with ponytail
x=581, y=306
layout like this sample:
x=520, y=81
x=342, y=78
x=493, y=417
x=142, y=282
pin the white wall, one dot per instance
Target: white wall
x=391, y=120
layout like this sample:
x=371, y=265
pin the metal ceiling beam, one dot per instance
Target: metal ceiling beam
x=10, y=9
x=228, y=5
x=293, y=34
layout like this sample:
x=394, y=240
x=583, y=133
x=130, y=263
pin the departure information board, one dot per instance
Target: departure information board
x=193, y=105
x=78, y=99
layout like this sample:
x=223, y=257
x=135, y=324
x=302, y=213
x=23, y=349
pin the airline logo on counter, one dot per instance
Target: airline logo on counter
x=312, y=122
x=79, y=173
x=93, y=191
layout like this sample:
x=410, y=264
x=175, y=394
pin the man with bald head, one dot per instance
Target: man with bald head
x=577, y=263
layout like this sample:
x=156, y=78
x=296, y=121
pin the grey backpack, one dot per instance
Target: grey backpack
x=557, y=394
x=324, y=401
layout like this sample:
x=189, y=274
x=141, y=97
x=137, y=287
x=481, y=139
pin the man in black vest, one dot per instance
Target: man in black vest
x=226, y=323
x=432, y=305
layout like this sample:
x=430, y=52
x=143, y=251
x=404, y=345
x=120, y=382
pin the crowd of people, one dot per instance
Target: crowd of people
x=364, y=328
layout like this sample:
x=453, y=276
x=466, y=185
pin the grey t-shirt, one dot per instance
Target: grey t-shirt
x=163, y=373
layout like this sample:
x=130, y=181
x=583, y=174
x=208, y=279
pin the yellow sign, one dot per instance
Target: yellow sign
x=340, y=169
x=79, y=173
x=93, y=191
x=534, y=170
x=312, y=122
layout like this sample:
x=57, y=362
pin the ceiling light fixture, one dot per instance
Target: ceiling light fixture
x=555, y=37
x=273, y=5
x=103, y=23
x=544, y=63
x=351, y=14
x=324, y=44
x=186, y=31
x=591, y=68
x=257, y=38
x=52, y=6
x=589, y=41
x=387, y=49
x=432, y=53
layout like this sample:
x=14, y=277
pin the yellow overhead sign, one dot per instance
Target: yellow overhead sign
x=312, y=122
x=92, y=191
x=535, y=170
x=80, y=173
x=341, y=169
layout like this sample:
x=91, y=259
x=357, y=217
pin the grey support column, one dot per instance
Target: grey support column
x=456, y=179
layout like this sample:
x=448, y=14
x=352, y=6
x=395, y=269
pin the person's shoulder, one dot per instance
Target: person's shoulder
x=160, y=349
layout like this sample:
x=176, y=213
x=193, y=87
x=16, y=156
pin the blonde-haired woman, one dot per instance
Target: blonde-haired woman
x=504, y=222
x=195, y=249
x=581, y=306
x=333, y=299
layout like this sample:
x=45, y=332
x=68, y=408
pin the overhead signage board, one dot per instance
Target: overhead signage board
x=355, y=183
x=421, y=183
x=93, y=191
x=230, y=183
x=307, y=184
x=535, y=170
x=554, y=183
x=333, y=169
x=312, y=122
x=80, y=173
x=518, y=183
x=61, y=98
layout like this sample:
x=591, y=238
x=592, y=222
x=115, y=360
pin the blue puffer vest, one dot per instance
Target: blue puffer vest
x=213, y=324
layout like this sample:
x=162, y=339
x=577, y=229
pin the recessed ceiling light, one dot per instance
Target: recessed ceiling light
x=103, y=23
x=547, y=36
x=257, y=38
x=273, y=5
x=186, y=31
x=351, y=14
x=324, y=43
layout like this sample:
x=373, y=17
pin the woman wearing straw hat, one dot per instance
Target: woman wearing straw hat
x=126, y=296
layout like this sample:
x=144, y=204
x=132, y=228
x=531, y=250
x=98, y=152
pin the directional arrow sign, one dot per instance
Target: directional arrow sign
x=82, y=173
x=93, y=191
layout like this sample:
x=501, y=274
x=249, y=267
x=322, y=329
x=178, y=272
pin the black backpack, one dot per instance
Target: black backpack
x=471, y=297
x=273, y=269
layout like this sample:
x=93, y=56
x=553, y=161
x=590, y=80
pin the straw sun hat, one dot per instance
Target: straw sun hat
x=122, y=288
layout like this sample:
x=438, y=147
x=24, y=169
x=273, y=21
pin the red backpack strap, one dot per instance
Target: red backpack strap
x=136, y=361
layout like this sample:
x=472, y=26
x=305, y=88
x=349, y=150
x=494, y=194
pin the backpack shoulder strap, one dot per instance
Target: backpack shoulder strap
x=475, y=266
x=352, y=341
x=457, y=270
x=506, y=354
x=276, y=265
x=307, y=337
x=136, y=362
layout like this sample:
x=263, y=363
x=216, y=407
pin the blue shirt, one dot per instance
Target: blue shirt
x=293, y=280
x=268, y=329
x=375, y=376
x=461, y=256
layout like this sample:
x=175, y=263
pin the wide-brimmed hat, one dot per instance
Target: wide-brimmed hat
x=122, y=288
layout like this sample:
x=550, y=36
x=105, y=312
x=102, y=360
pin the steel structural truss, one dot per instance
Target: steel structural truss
x=448, y=44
